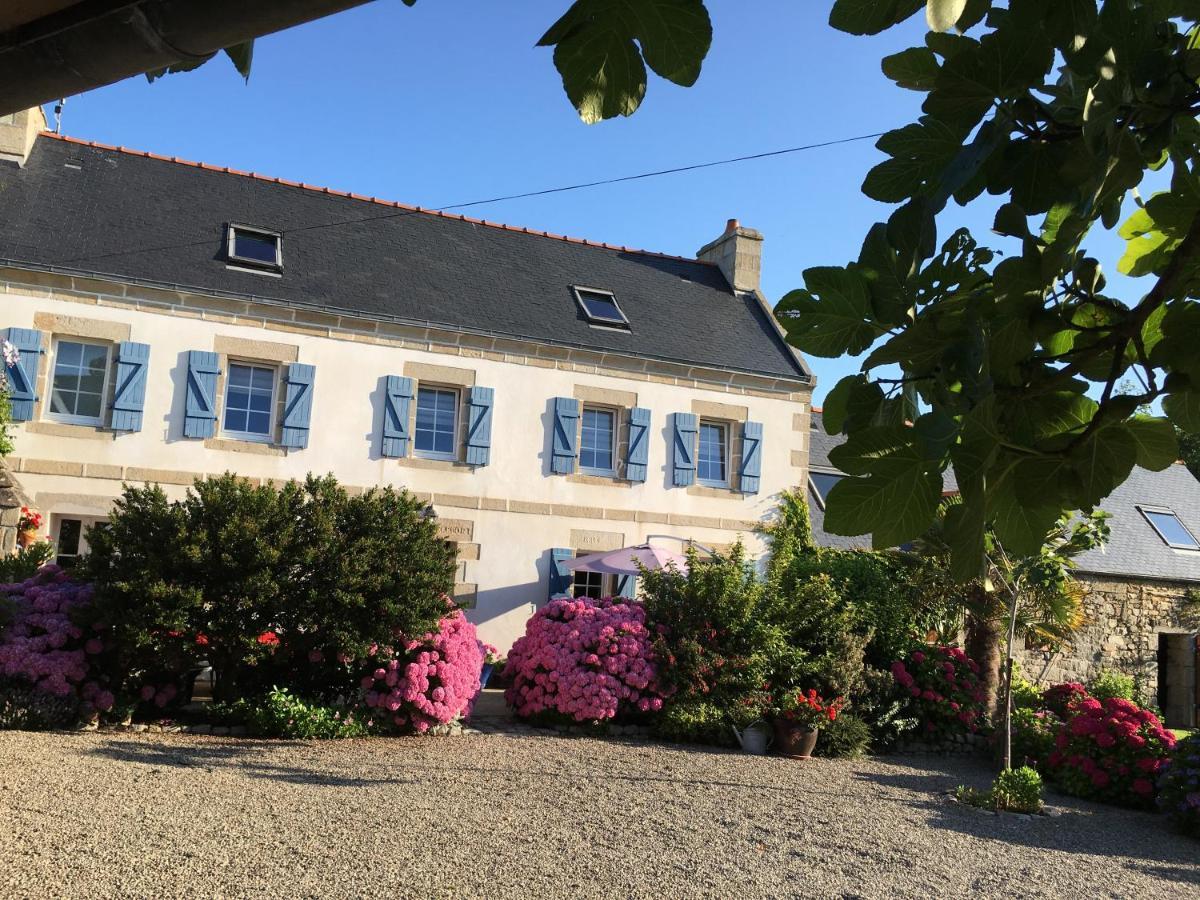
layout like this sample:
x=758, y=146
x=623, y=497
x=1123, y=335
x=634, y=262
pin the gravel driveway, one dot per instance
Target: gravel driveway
x=498, y=815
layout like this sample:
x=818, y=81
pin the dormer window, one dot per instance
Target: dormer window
x=1170, y=528
x=255, y=248
x=600, y=307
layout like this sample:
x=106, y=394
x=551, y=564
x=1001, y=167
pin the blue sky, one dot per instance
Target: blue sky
x=449, y=101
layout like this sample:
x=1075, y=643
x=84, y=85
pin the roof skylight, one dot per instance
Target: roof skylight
x=255, y=247
x=1170, y=528
x=600, y=307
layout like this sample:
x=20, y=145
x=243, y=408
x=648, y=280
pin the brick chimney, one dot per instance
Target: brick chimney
x=18, y=132
x=738, y=252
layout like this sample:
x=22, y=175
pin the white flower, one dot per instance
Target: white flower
x=11, y=354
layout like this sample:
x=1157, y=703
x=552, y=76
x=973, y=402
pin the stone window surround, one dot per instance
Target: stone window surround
x=269, y=354
x=451, y=378
x=60, y=327
x=731, y=416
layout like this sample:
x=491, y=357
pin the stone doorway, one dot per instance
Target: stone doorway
x=1178, y=679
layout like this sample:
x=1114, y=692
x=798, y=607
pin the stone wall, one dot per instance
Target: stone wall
x=12, y=498
x=1124, y=618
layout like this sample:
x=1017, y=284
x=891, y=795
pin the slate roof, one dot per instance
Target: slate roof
x=1134, y=549
x=91, y=209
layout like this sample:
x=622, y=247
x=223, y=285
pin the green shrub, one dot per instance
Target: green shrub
x=1014, y=790
x=887, y=713
x=1025, y=694
x=1018, y=790
x=1033, y=734
x=270, y=585
x=25, y=562
x=1109, y=684
x=846, y=737
x=283, y=715
x=695, y=722
x=24, y=707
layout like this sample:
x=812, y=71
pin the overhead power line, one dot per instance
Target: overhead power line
x=520, y=196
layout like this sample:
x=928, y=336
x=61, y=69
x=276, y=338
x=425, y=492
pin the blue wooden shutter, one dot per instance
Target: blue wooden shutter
x=397, y=403
x=479, y=425
x=752, y=433
x=297, y=405
x=566, y=418
x=627, y=586
x=560, y=578
x=637, y=456
x=22, y=378
x=200, y=412
x=685, y=426
x=133, y=360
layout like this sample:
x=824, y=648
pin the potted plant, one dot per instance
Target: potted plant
x=491, y=657
x=28, y=527
x=798, y=717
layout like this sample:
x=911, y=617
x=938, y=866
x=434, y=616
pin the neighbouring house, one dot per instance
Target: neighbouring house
x=545, y=395
x=1143, y=603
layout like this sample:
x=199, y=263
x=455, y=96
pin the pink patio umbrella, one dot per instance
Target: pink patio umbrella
x=622, y=561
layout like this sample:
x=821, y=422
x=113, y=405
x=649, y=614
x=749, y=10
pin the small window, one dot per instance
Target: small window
x=1169, y=527
x=249, y=402
x=600, y=307
x=712, y=462
x=437, y=423
x=588, y=584
x=255, y=247
x=596, y=453
x=80, y=383
x=822, y=483
x=70, y=538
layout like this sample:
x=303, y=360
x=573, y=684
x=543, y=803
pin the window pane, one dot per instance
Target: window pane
x=263, y=379
x=235, y=419
x=92, y=381
x=237, y=399
x=260, y=401
x=94, y=358
x=257, y=247
x=258, y=423
x=824, y=482
x=710, y=464
x=443, y=442
x=239, y=376
x=69, y=353
x=88, y=405
x=69, y=531
x=62, y=393
x=1170, y=529
x=601, y=307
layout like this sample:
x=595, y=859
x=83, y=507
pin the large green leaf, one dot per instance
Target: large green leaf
x=833, y=414
x=599, y=47
x=871, y=16
x=1003, y=64
x=1020, y=527
x=869, y=450
x=893, y=511
x=964, y=534
x=1183, y=408
x=1155, y=440
x=915, y=68
x=1102, y=461
x=833, y=316
x=920, y=153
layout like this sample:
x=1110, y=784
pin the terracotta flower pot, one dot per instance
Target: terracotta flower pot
x=27, y=537
x=794, y=740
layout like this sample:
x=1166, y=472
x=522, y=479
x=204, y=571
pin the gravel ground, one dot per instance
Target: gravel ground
x=504, y=815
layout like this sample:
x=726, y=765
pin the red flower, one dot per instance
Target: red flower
x=268, y=638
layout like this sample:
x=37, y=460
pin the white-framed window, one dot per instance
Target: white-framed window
x=78, y=382
x=255, y=247
x=1170, y=528
x=436, y=433
x=598, y=441
x=69, y=535
x=600, y=307
x=249, y=412
x=712, y=458
x=591, y=584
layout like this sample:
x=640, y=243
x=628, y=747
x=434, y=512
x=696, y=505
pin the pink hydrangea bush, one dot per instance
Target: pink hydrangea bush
x=588, y=660
x=43, y=647
x=1112, y=750
x=944, y=691
x=1061, y=699
x=427, y=681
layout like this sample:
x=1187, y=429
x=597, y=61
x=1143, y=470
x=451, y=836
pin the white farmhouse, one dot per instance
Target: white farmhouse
x=546, y=395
